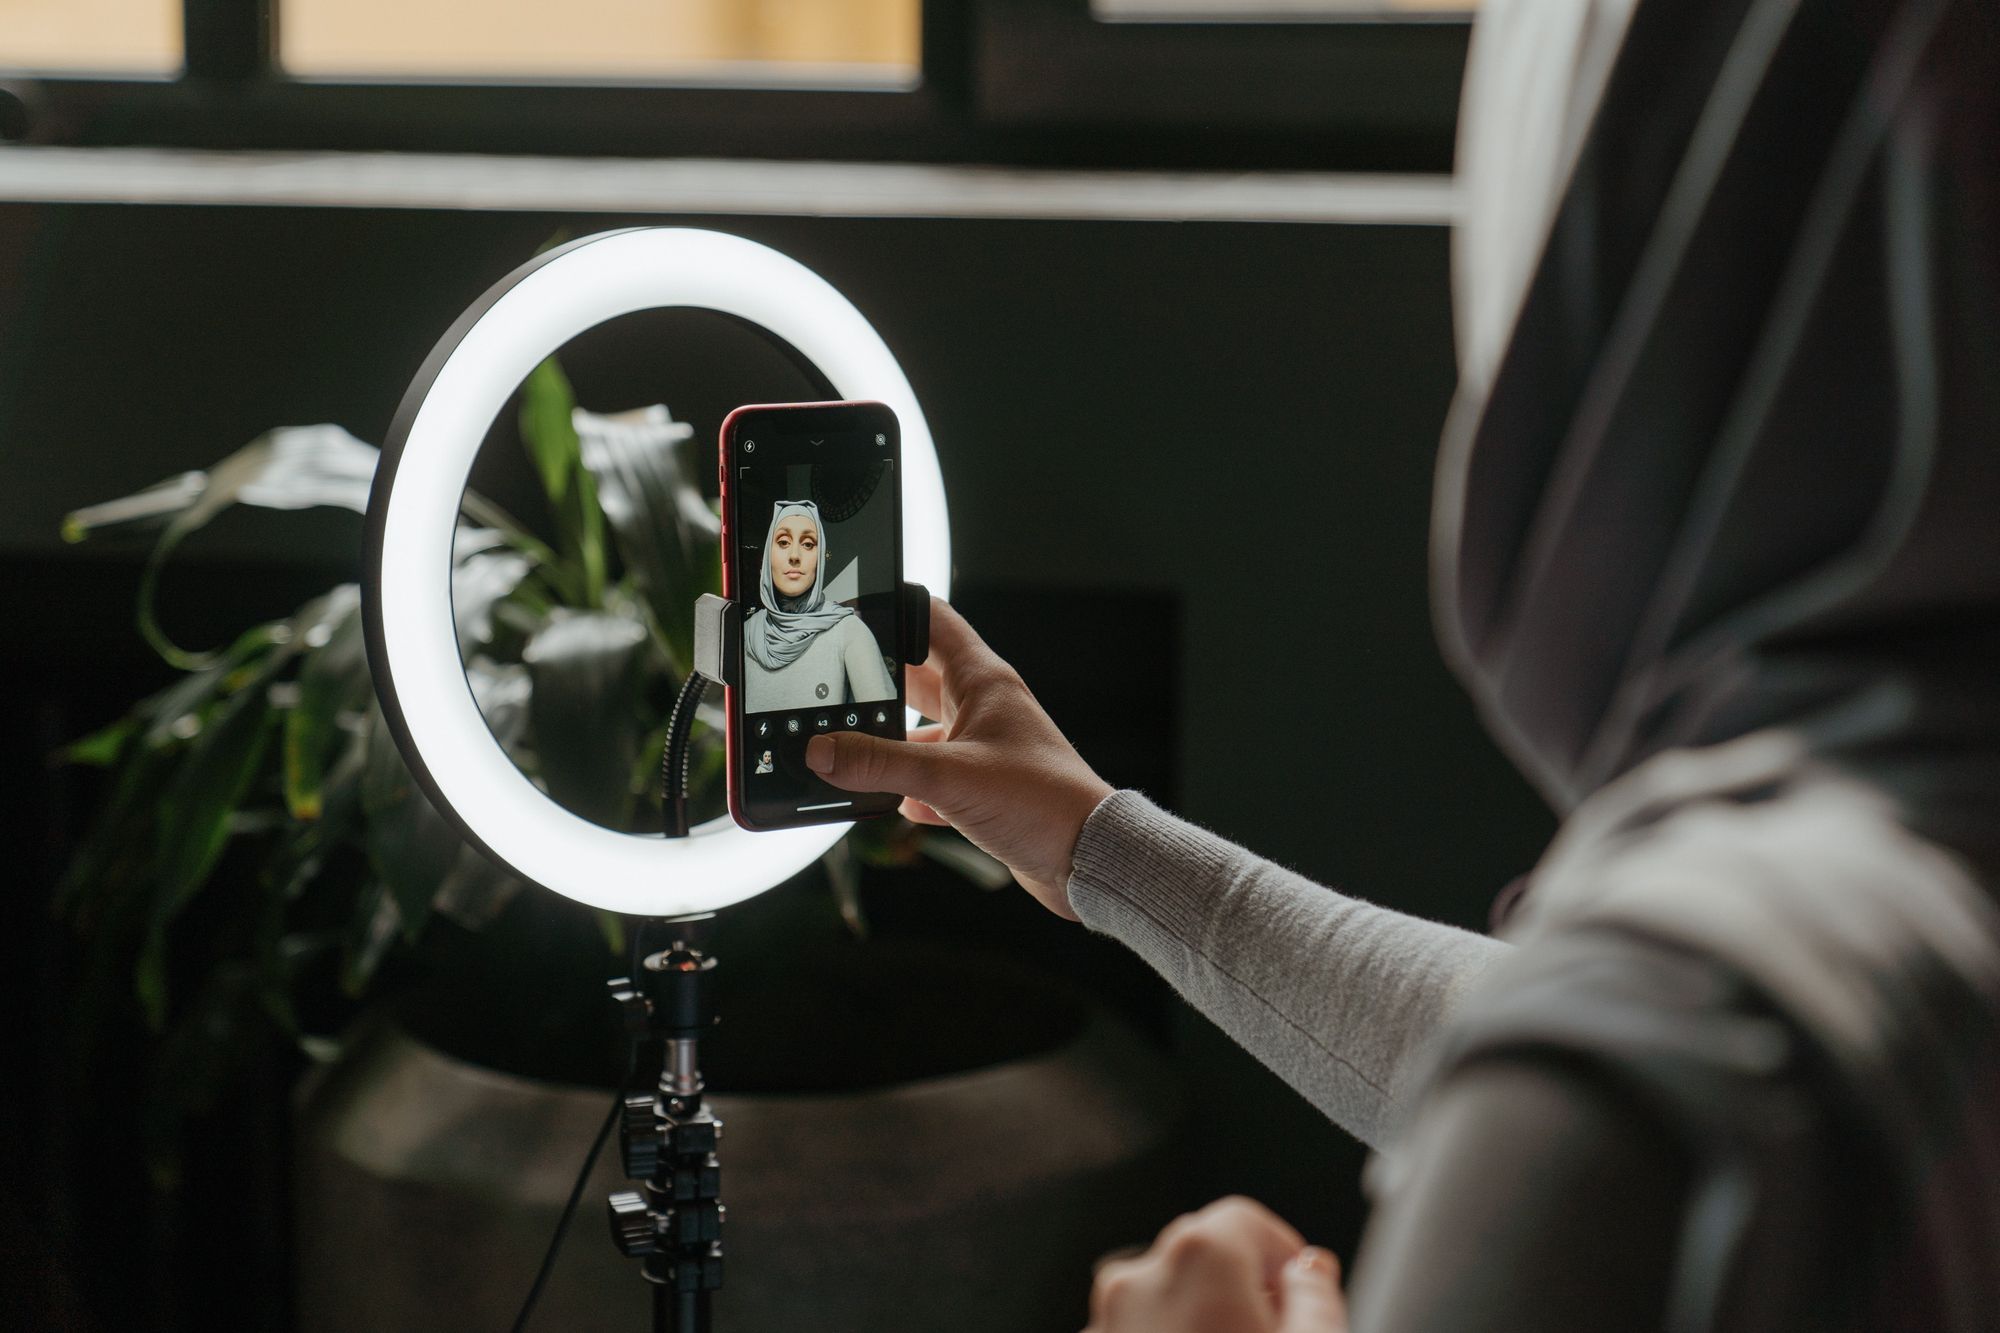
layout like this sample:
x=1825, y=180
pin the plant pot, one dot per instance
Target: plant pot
x=977, y=1199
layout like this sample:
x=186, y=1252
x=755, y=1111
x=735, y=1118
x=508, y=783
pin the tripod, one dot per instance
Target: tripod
x=668, y=1137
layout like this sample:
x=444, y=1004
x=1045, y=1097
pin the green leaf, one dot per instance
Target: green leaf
x=289, y=958
x=101, y=748
x=415, y=851
x=475, y=890
x=476, y=584
x=174, y=715
x=647, y=471
x=194, y=821
x=332, y=678
x=295, y=467
x=410, y=845
x=196, y=806
x=502, y=691
x=587, y=668
x=149, y=978
x=142, y=511
x=370, y=932
x=547, y=403
x=587, y=520
x=611, y=926
x=296, y=860
x=292, y=467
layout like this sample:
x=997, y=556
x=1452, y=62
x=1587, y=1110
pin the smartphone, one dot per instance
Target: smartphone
x=812, y=541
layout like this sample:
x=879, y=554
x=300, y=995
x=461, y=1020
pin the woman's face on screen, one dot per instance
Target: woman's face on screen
x=794, y=555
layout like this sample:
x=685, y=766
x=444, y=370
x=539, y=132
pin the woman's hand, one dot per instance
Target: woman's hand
x=995, y=768
x=1233, y=1267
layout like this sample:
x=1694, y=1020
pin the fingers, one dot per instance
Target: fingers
x=1224, y=1266
x=1311, y=1298
x=857, y=762
x=923, y=690
x=1237, y=1218
x=957, y=651
x=952, y=636
x=918, y=813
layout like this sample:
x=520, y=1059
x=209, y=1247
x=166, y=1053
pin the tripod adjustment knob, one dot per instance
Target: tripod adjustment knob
x=639, y=1137
x=632, y=1224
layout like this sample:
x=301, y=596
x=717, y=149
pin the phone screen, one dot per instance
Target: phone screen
x=812, y=499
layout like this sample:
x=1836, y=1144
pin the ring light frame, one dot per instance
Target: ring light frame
x=413, y=510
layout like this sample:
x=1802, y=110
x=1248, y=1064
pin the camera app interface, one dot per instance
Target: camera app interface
x=816, y=565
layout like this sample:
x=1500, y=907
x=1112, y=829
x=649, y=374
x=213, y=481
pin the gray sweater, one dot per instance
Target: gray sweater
x=1336, y=995
x=842, y=665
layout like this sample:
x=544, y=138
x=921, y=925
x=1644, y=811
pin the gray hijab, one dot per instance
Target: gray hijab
x=777, y=635
x=1737, y=466
x=1735, y=484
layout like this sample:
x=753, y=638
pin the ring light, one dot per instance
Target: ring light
x=413, y=512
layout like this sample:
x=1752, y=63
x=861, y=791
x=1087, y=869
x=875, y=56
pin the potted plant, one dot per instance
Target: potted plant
x=263, y=867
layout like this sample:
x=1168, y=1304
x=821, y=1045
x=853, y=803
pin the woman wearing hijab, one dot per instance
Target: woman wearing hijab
x=1717, y=551
x=800, y=649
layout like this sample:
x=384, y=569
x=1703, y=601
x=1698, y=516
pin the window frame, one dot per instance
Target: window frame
x=1017, y=82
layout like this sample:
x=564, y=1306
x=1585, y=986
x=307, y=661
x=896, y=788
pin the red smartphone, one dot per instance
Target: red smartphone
x=812, y=553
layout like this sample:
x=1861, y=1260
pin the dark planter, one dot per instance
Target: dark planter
x=915, y=1194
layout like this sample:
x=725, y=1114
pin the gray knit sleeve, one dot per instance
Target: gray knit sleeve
x=1336, y=995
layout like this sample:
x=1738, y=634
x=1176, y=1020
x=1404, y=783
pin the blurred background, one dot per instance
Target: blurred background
x=1170, y=279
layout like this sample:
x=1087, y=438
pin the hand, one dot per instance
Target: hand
x=994, y=767
x=1233, y=1267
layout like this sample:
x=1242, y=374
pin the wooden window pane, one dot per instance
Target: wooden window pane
x=837, y=41
x=91, y=36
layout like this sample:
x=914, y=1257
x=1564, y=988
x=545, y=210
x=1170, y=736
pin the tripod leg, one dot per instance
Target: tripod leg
x=680, y=1311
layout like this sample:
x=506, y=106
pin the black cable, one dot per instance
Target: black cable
x=590, y=1158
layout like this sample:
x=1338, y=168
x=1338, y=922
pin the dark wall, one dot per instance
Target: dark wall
x=1240, y=418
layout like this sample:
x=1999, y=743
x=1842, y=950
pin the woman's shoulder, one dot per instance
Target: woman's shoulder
x=850, y=626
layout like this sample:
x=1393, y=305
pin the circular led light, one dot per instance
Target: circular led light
x=413, y=512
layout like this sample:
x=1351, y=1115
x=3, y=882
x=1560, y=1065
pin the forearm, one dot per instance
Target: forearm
x=1336, y=995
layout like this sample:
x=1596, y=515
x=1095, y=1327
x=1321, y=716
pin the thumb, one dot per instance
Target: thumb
x=857, y=762
x=1312, y=1299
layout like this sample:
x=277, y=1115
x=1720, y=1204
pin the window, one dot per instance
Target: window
x=93, y=36
x=1251, y=11
x=1311, y=85
x=834, y=42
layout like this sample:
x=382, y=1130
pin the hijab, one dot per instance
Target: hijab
x=1737, y=465
x=1730, y=499
x=777, y=635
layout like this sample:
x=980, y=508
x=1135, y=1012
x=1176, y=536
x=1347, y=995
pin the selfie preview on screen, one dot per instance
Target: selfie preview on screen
x=805, y=646
x=816, y=565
